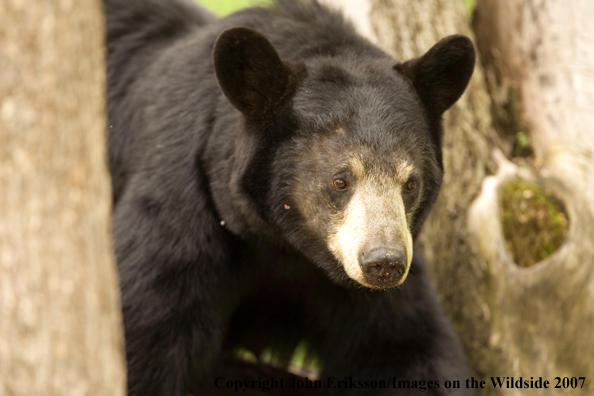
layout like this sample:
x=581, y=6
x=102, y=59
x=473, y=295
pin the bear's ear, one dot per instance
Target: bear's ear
x=442, y=74
x=249, y=70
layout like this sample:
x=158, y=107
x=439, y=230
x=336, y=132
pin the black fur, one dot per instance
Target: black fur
x=249, y=71
x=212, y=252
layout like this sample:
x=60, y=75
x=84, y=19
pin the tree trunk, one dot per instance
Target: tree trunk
x=513, y=321
x=539, y=63
x=60, y=325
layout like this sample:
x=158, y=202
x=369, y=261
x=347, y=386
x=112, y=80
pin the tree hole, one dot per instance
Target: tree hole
x=535, y=223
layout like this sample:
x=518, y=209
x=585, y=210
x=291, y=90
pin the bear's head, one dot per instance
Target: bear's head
x=340, y=154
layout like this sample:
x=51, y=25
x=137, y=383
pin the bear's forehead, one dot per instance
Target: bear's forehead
x=375, y=106
x=393, y=166
x=356, y=114
x=337, y=149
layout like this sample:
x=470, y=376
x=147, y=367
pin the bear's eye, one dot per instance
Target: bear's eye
x=339, y=184
x=410, y=185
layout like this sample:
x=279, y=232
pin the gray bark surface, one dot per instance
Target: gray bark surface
x=539, y=53
x=60, y=325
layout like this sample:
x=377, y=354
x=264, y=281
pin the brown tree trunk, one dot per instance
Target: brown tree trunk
x=513, y=321
x=60, y=325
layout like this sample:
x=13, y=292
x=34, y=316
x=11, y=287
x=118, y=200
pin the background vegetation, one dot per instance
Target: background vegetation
x=224, y=7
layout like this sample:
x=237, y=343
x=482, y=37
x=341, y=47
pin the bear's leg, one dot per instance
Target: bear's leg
x=169, y=336
x=174, y=281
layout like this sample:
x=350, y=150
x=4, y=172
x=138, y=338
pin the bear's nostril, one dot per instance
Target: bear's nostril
x=383, y=267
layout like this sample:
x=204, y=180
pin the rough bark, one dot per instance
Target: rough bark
x=539, y=63
x=513, y=321
x=60, y=326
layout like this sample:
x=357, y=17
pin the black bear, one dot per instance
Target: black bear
x=271, y=171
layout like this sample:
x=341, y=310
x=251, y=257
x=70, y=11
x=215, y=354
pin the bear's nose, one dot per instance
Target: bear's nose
x=383, y=267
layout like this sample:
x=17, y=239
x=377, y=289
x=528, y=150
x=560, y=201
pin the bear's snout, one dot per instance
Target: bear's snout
x=383, y=267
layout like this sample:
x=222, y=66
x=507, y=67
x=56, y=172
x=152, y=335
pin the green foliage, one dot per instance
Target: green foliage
x=523, y=141
x=534, y=223
x=470, y=5
x=302, y=357
x=224, y=7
